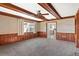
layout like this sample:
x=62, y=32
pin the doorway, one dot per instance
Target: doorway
x=51, y=30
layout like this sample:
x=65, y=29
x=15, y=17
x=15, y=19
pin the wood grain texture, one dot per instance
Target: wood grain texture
x=42, y=34
x=77, y=29
x=8, y=38
x=66, y=36
x=14, y=37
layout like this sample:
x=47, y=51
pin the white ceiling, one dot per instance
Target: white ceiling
x=66, y=9
x=34, y=7
x=18, y=14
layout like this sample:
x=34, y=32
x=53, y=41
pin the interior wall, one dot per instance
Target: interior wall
x=77, y=29
x=63, y=25
x=8, y=25
x=66, y=29
x=66, y=25
x=38, y=27
x=20, y=27
x=42, y=26
x=42, y=29
x=15, y=25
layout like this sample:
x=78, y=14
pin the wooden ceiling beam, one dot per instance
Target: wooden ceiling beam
x=21, y=10
x=68, y=17
x=50, y=9
x=64, y=17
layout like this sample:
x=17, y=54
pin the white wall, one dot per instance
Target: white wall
x=13, y=25
x=8, y=25
x=66, y=25
x=63, y=25
x=20, y=26
x=42, y=26
x=37, y=26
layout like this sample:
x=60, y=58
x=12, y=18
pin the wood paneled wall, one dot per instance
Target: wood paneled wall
x=14, y=37
x=77, y=28
x=8, y=38
x=66, y=36
x=42, y=34
x=27, y=36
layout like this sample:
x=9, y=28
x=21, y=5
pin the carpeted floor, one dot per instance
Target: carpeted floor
x=39, y=47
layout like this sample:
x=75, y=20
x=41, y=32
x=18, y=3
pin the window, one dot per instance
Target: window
x=29, y=27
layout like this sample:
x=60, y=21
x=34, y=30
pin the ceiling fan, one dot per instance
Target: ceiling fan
x=39, y=14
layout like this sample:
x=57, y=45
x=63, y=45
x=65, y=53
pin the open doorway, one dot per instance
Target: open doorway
x=51, y=30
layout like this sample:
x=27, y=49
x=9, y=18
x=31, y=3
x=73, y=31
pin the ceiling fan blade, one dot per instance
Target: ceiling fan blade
x=45, y=14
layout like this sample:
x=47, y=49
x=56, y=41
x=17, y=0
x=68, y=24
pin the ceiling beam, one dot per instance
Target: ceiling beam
x=68, y=17
x=21, y=10
x=50, y=9
x=15, y=16
x=64, y=17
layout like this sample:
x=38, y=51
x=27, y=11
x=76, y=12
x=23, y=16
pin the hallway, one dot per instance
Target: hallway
x=38, y=47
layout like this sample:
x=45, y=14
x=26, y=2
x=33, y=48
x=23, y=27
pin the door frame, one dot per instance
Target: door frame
x=51, y=22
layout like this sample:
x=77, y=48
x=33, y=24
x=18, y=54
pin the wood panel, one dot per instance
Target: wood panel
x=42, y=34
x=77, y=28
x=66, y=36
x=14, y=37
x=8, y=38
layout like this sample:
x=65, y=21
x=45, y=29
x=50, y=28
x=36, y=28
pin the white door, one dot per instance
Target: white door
x=51, y=30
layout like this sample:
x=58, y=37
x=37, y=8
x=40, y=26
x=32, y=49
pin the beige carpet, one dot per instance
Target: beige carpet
x=39, y=47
